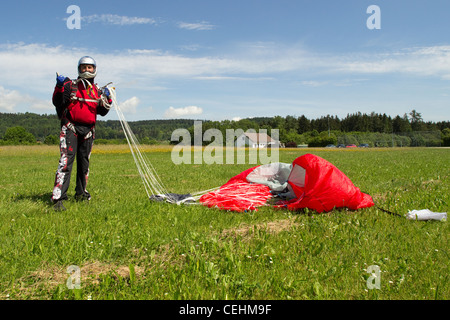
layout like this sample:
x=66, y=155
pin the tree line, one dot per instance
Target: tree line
x=375, y=129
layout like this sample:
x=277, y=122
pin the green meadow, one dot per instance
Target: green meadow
x=125, y=246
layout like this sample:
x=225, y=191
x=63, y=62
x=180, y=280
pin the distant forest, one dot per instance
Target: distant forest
x=374, y=129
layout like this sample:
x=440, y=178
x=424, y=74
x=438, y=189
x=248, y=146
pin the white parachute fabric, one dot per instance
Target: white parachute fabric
x=274, y=175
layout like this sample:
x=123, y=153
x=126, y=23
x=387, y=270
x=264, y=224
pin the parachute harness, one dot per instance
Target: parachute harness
x=89, y=86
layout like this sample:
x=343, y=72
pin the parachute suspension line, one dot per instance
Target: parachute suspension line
x=197, y=195
x=154, y=186
x=152, y=182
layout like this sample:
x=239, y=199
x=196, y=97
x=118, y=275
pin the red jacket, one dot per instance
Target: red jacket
x=84, y=108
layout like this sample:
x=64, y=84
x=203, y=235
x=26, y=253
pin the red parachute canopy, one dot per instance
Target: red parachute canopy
x=320, y=186
x=238, y=194
x=316, y=183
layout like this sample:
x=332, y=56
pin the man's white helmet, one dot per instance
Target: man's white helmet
x=87, y=60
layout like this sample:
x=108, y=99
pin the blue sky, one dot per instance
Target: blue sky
x=229, y=59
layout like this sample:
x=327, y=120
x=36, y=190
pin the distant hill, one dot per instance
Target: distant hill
x=294, y=130
x=42, y=126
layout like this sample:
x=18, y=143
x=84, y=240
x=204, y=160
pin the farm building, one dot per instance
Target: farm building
x=256, y=140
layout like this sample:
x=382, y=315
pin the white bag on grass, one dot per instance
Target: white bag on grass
x=426, y=214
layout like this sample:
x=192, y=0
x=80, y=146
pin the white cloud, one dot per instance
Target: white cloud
x=117, y=20
x=191, y=47
x=248, y=78
x=41, y=106
x=313, y=83
x=37, y=63
x=147, y=66
x=31, y=69
x=203, y=25
x=425, y=61
x=182, y=112
x=11, y=100
x=130, y=105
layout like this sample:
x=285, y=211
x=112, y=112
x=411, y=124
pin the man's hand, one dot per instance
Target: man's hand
x=60, y=79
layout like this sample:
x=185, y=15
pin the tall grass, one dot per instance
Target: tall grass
x=128, y=247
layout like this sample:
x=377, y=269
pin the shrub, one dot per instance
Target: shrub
x=51, y=139
x=18, y=135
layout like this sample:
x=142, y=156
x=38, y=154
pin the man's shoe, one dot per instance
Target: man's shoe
x=83, y=197
x=58, y=206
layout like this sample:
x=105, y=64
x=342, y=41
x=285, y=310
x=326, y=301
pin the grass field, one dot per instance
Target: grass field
x=127, y=247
